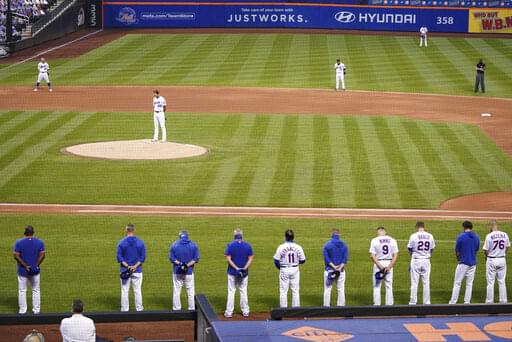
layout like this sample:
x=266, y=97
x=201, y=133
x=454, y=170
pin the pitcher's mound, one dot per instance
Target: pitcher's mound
x=136, y=150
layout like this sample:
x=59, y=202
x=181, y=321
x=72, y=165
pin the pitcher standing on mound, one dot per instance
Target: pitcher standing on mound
x=159, y=108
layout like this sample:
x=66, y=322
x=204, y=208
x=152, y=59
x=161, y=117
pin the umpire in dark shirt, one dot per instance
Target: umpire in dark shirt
x=480, y=71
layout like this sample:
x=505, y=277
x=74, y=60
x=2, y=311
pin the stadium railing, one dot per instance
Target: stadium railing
x=394, y=310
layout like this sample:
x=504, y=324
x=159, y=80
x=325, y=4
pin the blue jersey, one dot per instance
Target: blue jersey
x=239, y=251
x=29, y=248
x=335, y=251
x=183, y=251
x=131, y=250
x=466, y=246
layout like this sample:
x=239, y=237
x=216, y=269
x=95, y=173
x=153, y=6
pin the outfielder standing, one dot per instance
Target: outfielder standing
x=131, y=254
x=340, y=74
x=287, y=258
x=495, y=249
x=420, y=246
x=239, y=256
x=423, y=36
x=384, y=253
x=29, y=253
x=159, y=108
x=183, y=254
x=335, y=257
x=44, y=74
x=466, y=246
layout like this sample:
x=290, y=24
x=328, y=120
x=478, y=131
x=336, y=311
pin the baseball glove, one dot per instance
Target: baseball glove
x=183, y=268
x=331, y=277
x=34, y=270
x=125, y=274
x=241, y=273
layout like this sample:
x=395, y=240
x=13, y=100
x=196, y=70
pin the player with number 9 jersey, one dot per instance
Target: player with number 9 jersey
x=287, y=258
x=495, y=249
x=420, y=246
x=384, y=253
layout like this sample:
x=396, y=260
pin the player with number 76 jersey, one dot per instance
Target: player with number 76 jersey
x=420, y=246
x=495, y=248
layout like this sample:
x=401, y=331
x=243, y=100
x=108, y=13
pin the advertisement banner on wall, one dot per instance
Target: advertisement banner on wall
x=490, y=21
x=324, y=16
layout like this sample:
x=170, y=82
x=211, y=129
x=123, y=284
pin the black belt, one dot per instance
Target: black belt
x=385, y=259
x=289, y=266
x=495, y=257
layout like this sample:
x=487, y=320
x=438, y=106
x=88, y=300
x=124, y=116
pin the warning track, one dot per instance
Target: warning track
x=333, y=213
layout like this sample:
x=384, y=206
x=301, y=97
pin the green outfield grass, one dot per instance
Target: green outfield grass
x=285, y=60
x=81, y=259
x=253, y=160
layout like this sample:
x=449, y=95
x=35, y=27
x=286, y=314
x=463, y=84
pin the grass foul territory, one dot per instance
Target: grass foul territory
x=253, y=160
x=81, y=259
x=374, y=62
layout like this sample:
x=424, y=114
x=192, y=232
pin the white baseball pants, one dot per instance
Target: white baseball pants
x=388, y=284
x=235, y=283
x=180, y=280
x=159, y=120
x=463, y=271
x=36, y=293
x=496, y=268
x=289, y=277
x=420, y=268
x=423, y=40
x=340, y=285
x=43, y=76
x=135, y=280
x=340, y=78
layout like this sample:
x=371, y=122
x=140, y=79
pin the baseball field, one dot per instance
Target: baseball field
x=408, y=134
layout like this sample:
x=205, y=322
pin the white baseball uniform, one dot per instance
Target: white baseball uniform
x=135, y=280
x=179, y=281
x=423, y=36
x=420, y=245
x=43, y=68
x=340, y=75
x=496, y=244
x=289, y=255
x=383, y=248
x=159, y=117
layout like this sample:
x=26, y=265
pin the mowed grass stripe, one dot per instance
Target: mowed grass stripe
x=260, y=189
x=254, y=66
x=203, y=178
x=461, y=64
x=400, y=171
x=466, y=158
x=228, y=170
x=39, y=144
x=285, y=169
x=18, y=127
x=323, y=188
x=343, y=185
x=295, y=74
x=240, y=184
x=275, y=65
x=235, y=61
x=386, y=70
x=319, y=63
x=7, y=118
x=303, y=180
x=362, y=176
x=474, y=141
x=442, y=177
x=365, y=70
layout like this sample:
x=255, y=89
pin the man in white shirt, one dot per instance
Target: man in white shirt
x=287, y=258
x=78, y=328
x=495, y=249
x=159, y=108
x=384, y=253
x=340, y=74
x=423, y=36
x=44, y=74
x=420, y=246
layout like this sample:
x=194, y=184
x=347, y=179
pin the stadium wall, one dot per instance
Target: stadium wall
x=185, y=14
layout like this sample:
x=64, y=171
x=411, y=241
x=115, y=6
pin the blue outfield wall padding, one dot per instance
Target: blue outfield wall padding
x=275, y=15
x=497, y=328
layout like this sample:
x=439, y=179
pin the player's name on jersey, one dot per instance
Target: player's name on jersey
x=384, y=240
x=499, y=235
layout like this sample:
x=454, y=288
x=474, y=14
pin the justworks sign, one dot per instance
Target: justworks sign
x=465, y=331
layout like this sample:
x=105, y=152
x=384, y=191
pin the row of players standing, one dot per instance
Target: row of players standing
x=29, y=253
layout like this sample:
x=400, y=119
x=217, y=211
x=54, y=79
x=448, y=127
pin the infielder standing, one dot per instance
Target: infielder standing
x=384, y=253
x=183, y=254
x=29, y=253
x=423, y=36
x=466, y=246
x=159, y=108
x=495, y=249
x=287, y=258
x=43, y=75
x=420, y=246
x=131, y=254
x=340, y=74
x=239, y=256
x=335, y=257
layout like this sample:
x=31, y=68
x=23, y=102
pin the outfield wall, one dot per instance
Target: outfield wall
x=258, y=14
